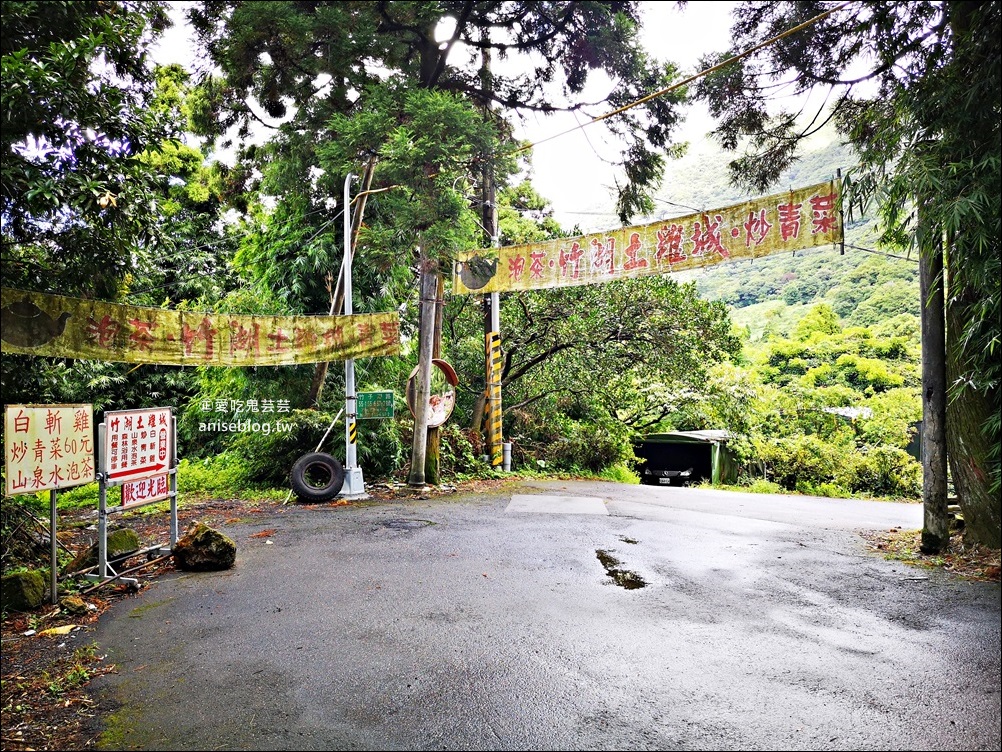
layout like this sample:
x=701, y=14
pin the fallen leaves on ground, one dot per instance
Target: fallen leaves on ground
x=43, y=693
x=970, y=561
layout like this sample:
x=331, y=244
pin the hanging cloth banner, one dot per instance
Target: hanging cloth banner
x=791, y=221
x=54, y=325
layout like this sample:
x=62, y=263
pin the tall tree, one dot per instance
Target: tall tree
x=77, y=89
x=402, y=81
x=923, y=114
x=91, y=177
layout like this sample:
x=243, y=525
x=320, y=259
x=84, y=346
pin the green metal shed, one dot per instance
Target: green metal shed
x=671, y=456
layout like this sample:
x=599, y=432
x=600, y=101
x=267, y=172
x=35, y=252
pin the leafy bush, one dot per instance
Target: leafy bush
x=799, y=460
x=591, y=446
x=760, y=485
x=79, y=497
x=268, y=455
x=829, y=489
x=812, y=465
x=221, y=476
x=889, y=471
x=381, y=448
x=620, y=473
x=457, y=453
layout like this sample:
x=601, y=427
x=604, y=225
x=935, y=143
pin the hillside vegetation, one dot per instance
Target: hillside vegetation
x=825, y=397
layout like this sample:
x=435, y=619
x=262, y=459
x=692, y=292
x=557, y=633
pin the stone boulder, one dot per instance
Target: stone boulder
x=75, y=605
x=121, y=542
x=22, y=591
x=202, y=549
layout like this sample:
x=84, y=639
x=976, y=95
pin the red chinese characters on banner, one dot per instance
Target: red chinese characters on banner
x=789, y=220
x=799, y=218
x=145, y=491
x=102, y=332
x=603, y=255
x=569, y=260
x=756, y=228
x=706, y=238
x=245, y=341
x=304, y=338
x=279, y=340
x=137, y=444
x=203, y=336
x=536, y=266
x=334, y=337
x=48, y=447
x=142, y=338
x=822, y=213
x=390, y=331
x=366, y=332
x=516, y=268
x=670, y=239
x=631, y=251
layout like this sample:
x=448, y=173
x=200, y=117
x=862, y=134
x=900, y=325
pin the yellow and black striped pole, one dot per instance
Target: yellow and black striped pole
x=494, y=434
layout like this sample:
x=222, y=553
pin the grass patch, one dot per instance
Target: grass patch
x=969, y=561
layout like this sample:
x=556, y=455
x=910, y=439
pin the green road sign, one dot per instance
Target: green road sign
x=375, y=405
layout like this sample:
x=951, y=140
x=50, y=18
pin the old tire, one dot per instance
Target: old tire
x=317, y=477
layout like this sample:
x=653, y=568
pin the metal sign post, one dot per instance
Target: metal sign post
x=48, y=447
x=137, y=450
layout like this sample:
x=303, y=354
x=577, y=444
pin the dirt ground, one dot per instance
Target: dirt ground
x=48, y=657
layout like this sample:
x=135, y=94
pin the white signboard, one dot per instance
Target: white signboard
x=135, y=493
x=136, y=444
x=48, y=447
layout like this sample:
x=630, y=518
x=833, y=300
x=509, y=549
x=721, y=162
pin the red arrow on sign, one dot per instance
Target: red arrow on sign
x=136, y=470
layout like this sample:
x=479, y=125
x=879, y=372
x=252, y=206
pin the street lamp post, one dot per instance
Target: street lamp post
x=354, y=485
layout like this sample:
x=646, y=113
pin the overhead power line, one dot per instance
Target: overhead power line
x=686, y=81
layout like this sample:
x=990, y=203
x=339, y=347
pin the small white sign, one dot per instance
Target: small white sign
x=137, y=444
x=48, y=447
x=135, y=493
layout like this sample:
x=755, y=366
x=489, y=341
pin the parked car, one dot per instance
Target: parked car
x=661, y=477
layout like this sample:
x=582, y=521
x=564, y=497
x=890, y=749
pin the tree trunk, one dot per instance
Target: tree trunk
x=432, y=463
x=971, y=401
x=422, y=379
x=936, y=519
x=477, y=421
x=968, y=410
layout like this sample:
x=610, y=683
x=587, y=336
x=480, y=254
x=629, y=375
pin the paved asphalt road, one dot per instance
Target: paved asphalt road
x=492, y=622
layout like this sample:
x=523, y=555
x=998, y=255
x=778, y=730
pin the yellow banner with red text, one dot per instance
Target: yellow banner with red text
x=795, y=220
x=54, y=325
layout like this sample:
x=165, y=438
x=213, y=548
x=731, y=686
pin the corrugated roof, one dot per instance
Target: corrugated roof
x=709, y=436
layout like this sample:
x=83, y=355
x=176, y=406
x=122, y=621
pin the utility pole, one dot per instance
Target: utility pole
x=337, y=295
x=432, y=464
x=492, y=301
x=354, y=485
x=422, y=379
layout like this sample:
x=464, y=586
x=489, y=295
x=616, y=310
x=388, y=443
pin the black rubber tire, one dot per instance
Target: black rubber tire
x=317, y=477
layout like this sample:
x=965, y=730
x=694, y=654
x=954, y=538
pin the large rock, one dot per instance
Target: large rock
x=22, y=591
x=121, y=542
x=202, y=549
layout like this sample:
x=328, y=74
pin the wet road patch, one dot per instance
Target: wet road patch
x=547, y=504
x=622, y=577
x=399, y=524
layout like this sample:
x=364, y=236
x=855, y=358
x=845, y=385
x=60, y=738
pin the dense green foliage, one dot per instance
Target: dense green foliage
x=810, y=360
x=77, y=199
x=922, y=110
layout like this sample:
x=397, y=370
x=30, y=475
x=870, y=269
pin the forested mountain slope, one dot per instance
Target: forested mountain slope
x=863, y=284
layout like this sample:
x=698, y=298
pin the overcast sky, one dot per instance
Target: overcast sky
x=569, y=170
